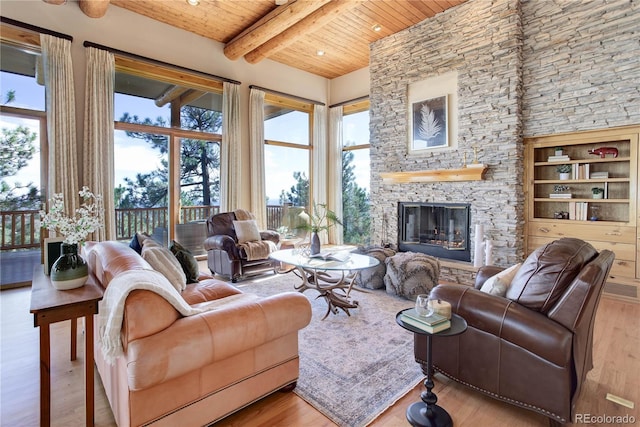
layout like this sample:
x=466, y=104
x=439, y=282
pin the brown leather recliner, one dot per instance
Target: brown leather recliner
x=532, y=348
x=226, y=257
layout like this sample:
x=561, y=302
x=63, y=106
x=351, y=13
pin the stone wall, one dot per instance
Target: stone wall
x=524, y=68
x=481, y=40
x=581, y=67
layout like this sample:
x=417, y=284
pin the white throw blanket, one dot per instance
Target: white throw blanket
x=111, y=310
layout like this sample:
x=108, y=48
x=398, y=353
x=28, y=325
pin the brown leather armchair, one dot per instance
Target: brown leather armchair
x=226, y=257
x=532, y=348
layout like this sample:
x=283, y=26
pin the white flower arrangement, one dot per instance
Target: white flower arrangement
x=88, y=217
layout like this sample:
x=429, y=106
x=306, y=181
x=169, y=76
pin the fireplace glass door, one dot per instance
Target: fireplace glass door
x=437, y=229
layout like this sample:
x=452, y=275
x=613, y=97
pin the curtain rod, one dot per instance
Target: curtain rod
x=157, y=62
x=33, y=28
x=275, y=92
x=351, y=101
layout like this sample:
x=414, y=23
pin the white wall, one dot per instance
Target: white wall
x=130, y=32
x=350, y=86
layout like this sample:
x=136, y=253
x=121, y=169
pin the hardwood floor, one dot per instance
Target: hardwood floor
x=616, y=371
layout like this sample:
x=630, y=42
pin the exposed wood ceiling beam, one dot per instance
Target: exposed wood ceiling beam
x=94, y=8
x=169, y=95
x=91, y=8
x=316, y=20
x=269, y=26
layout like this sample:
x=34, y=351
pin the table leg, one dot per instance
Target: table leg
x=88, y=365
x=45, y=378
x=74, y=338
x=427, y=413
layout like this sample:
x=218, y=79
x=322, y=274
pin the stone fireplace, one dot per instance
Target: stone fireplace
x=437, y=229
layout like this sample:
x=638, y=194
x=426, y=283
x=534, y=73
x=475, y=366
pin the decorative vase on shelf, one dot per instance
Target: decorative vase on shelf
x=315, y=243
x=70, y=270
x=564, y=176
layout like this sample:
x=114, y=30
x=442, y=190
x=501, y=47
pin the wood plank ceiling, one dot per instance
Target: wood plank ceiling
x=291, y=33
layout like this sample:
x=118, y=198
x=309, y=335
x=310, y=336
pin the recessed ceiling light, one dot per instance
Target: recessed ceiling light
x=193, y=2
x=320, y=52
x=377, y=28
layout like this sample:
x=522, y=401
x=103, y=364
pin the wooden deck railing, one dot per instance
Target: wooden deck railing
x=21, y=229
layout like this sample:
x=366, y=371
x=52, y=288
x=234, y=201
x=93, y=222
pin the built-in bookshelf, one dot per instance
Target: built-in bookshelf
x=597, y=201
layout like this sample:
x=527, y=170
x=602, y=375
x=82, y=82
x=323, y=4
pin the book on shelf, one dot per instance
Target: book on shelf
x=332, y=256
x=438, y=327
x=599, y=175
x=560, y=195
x=578, y=211
x=562, y=158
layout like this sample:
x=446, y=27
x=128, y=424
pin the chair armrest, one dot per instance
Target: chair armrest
x=224, y=243
x=270, y=235
x=509, y=321
x=193, y=342
x=484, y=273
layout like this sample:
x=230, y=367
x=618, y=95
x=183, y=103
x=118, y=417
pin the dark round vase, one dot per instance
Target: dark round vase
x=315, y=244
x=70, y=270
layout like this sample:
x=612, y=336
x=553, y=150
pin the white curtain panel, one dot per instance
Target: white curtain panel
x=61, y=120
x=230, y=156
x=335, y=171
x=256, y=152
x=319, y=160
x=98, y=134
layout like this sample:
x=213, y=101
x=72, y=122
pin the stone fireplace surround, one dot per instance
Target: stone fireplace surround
x=514, y=79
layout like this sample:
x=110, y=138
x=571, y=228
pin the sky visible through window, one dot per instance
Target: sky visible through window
x=135, y=156
x=28, y=95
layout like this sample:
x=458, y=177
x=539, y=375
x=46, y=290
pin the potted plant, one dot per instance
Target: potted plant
x=597, y=193
x=558, y=151
x=564, y=171
x=322, y=218
x=70, y=270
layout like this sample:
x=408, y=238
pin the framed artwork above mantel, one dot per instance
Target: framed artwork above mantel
x=433, y=114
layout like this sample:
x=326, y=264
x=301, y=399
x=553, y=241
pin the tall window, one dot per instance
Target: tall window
x=356, y=174
x=23, y=128
x=167, y=151
x=287, y=156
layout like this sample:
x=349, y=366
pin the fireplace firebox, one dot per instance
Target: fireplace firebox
x=437, y=229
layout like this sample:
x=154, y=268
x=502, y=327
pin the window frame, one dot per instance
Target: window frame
x=305, y=107
x=154, y=71
x=348, y=109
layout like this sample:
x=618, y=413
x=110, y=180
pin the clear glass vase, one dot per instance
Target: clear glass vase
x=70, y=269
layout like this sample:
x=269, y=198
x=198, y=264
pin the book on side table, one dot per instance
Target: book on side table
x=433, y=323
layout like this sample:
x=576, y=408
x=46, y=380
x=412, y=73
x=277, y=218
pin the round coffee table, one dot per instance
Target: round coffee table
x=427, y=413
x=314, y=274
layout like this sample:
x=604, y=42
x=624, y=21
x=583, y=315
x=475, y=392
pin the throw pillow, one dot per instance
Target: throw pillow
x=247, y=230
x=137, y=241
x=499, y=283
x=187, y=261
x=163, y=261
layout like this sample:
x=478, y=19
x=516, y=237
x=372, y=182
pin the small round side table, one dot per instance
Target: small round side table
x=427, y=413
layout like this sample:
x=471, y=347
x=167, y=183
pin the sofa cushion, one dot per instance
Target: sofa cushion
x=187, y=261
x=499, y=283
x=247, y=230
x=163, y=261
x=548, y=271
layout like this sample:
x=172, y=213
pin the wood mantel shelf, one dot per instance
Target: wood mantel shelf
x=469, y=173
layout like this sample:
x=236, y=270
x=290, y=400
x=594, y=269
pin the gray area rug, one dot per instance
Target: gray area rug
x=352, y=368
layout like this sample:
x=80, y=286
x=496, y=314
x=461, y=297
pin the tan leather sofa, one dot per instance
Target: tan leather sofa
x=532, y=348
x=192, y=371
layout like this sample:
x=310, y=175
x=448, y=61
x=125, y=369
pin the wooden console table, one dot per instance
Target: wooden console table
x=49, y=305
